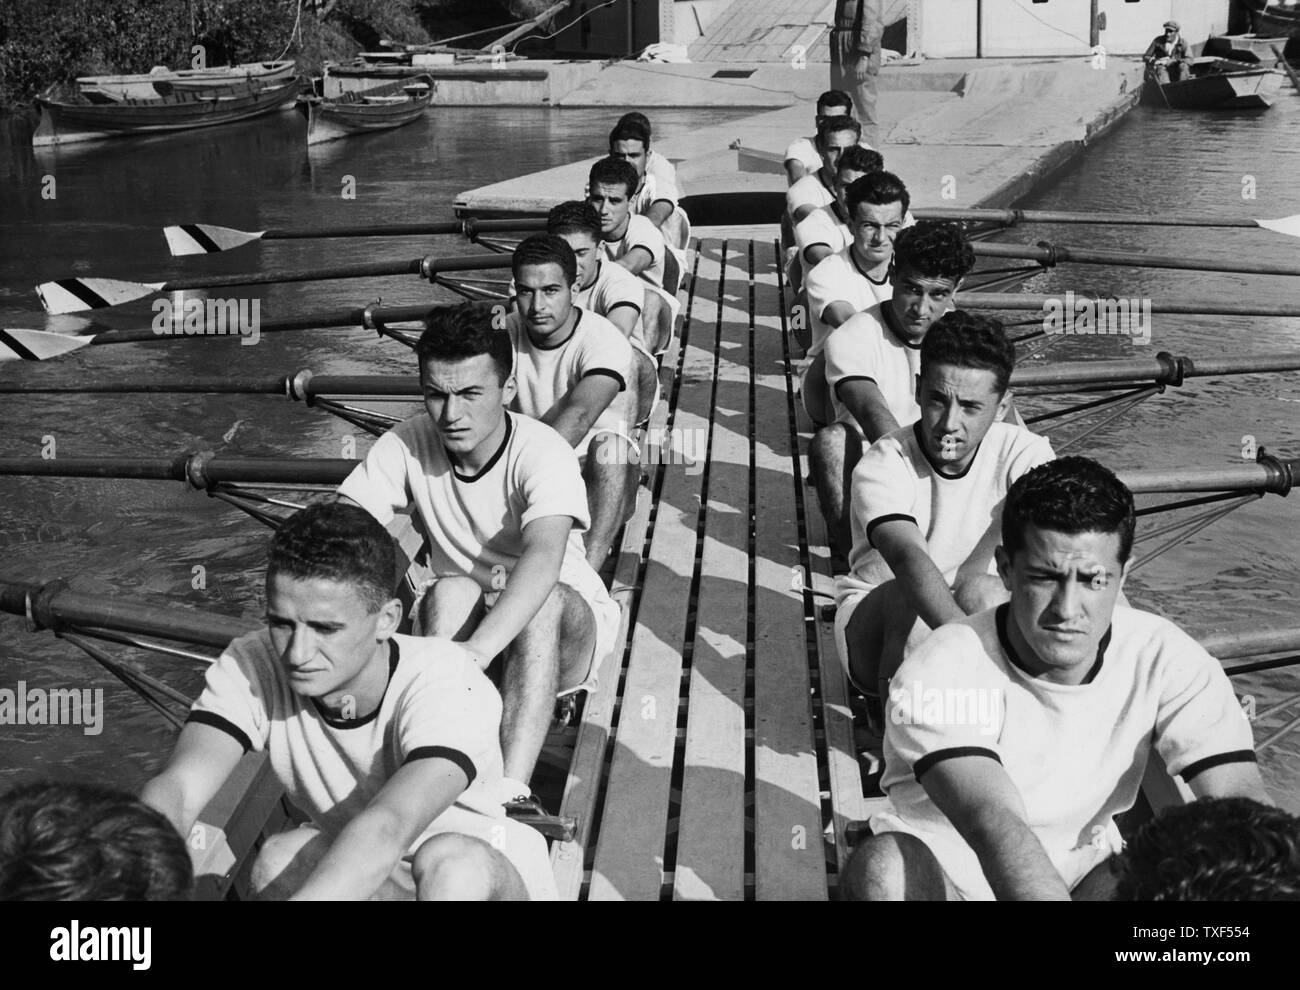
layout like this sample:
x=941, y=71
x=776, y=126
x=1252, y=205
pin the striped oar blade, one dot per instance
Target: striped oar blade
x=37, y=345
x=75, y=295
x=206, y=238
x=1286, y=225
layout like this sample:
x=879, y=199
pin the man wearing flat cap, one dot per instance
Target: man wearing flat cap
x=1166, y=57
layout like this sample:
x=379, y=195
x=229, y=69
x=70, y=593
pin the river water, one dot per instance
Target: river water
x=124, y=537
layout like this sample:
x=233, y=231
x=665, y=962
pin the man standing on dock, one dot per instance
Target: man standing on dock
x=1166, y=57
x=855, y=59
x=1016, y=736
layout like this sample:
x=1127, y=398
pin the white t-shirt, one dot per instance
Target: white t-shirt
x=614, y=286
x=644, y=234
x=865, y=347
x=544, y=375
x=895, y=480
x=474, y=524
x=653, y=189
x=804, y=150
x=809, y=191
x=822, y=227
x=665, y=176
x=1076, y=753
x=839, y=278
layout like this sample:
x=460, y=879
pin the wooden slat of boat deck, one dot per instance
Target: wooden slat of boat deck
x=693, y=805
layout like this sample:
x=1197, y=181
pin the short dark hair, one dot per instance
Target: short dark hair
x=637, y=117
x=970, y=340
x=337, y=541
x=613, y=172
x=545, y=249
x=84, y=842
x=877, y=188
x=1068, y=495
x=463, y=331
x=834, y=98
x=1214, y=849
x=934, y=249
x=826, y=126
x=630, y=130
x=861, y=159
x=574, y=217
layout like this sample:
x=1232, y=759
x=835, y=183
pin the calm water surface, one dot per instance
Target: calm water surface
x=138, y=538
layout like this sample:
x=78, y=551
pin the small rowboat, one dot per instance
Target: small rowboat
x=164, y=82
x=1277, y=19
x=1245, y=47
x=1216, y=84
x=65, y=121
x=378, y=109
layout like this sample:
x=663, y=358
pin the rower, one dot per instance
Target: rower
x=611, y=291
x=1166, y=57
x=500, y=502
x=925, y=500
x=388, y=743
x=633, y=241
x=572, y=369
x=826, y=230
x=802, y=157
x=816, y=189
x=854, y=278
x=656, y=195
x=1015, y=736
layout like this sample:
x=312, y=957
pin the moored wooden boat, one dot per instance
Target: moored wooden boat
x=66, y=121
x=1216, y=84
x=163, y=82
x=380, y=109
x=1246, y=47
x=1277, y=19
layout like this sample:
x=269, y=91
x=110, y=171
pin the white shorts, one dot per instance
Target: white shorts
x=843, y=613
x=963, y=876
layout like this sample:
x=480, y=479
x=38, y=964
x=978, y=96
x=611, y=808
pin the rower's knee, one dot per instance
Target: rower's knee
x=451, y=608
x=283, y=863
x=455, y=867
x=892, y=866
x=979, y=593
x=826, y=452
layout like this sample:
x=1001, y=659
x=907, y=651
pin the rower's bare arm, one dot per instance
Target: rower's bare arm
x=814, y=254
x=801, y=211
x=574, y=413
x=625, y=317
x=637, y=260
x=659, y=211
x=202, y=760
x=862, y=397
x=1231, y=780
x=531, y=581
x=835, y=313
x=794, y=171
x=977, y=562
x=371, y=845
x=901, y=544
x=979, y=798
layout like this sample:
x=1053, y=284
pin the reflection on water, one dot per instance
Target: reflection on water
x=113, y=199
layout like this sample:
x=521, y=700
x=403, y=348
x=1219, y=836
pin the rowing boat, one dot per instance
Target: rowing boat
x=163, y=82
x=1216, y=84
x=78, y=119
x=1245, y=47
x=1277, y=19
x=380, y=109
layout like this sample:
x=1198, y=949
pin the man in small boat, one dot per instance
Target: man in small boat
x=925, y=501
x=872, y=359
x=801, y=156
x=63, y=841
x=817, y=189
x=854, y=278
x=573, y=370
x=499, y=500
x=1016, y=735
x=388, y=743
x=1215, y=849
x=656, y=195
x=609, y=290
x=632, y=241
x=1166, y=57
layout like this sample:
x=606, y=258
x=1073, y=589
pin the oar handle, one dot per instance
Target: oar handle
x=1012, y=217
x=1050, y=254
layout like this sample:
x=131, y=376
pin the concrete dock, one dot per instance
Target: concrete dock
x=960, y=132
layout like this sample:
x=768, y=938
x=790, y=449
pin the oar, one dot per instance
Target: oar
x=1295, y=76
x=1009, y=218
x=207, y=238
x=75, y=295
x=1050, y=254
x=40, y=345
x=1059, y=302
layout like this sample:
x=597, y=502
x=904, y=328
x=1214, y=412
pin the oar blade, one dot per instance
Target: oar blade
x=76, y=295
x=37, y=345
x=1284, y=225
x=206, y=238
